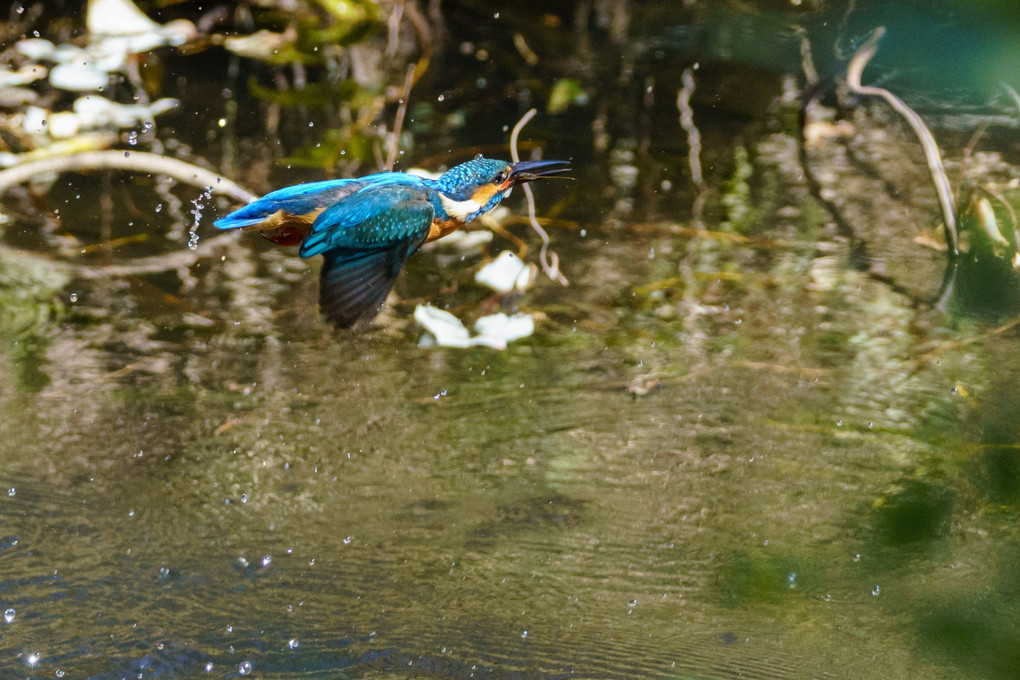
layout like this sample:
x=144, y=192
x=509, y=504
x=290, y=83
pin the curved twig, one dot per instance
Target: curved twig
x=683, y=105
x=549, y=259
x=939, y=178
x=141, y=266
x=137, y=161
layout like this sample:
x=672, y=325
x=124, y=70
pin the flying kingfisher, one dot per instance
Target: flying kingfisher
x=365, y=228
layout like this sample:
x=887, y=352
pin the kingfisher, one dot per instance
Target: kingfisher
x=366, y=227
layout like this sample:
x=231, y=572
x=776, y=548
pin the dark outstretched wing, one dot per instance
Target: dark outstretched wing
x=353, y=284
x=364, y=240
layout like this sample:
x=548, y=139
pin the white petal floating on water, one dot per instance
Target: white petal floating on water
x=36, y=49
x=117, y=17
x=66, y=53
x=17, y=97
x=34, y=122
x=23, y=76
x=95, y=111
x=506, y=274
x=118, y=26
x=464, y=241
x=78, y=77
x=495, y=331
x=446, y=329
x=505, y=329
x=63, y=125
x=261, y=44
x=422, y=172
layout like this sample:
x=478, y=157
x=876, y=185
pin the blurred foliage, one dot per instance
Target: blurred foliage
x=28, y=295
x=565, y=92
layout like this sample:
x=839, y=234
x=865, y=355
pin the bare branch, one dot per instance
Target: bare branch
x=549, y=259
x=134, y=161
x=931, y=150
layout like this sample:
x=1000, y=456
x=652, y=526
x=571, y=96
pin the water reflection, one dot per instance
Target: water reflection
x=732, y=451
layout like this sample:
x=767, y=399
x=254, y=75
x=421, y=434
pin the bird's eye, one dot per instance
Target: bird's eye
x=504, y=176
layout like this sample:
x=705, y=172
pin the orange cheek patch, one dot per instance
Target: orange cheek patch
x=483, y=194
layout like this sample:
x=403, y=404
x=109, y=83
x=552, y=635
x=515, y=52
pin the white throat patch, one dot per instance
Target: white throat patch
x=459, y=210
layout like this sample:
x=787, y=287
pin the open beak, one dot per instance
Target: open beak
x=527, y=171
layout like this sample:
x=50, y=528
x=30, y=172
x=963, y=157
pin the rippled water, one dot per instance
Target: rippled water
x=741, y=452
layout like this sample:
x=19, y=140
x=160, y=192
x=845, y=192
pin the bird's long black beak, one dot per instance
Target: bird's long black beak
x=527, y=171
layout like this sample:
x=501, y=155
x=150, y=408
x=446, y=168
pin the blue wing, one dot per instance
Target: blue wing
x=364, y=240
x=301, y=203
x=377, y=215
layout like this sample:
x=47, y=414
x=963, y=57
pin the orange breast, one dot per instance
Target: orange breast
x=441, y=228
x=286, y=229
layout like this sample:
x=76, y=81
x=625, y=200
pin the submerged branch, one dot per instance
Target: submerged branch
x=136, y=161
x=854, y=72
x=398, y=122
x=153, y=264
x=683, y=105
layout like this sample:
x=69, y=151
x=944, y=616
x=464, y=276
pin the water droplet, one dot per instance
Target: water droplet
x=133, y=137
x=12, y=491
x=267, y=560
x=244, y=498
x=524, y=633
x=9, y=614
x=876, y=591
x=209, y=667
x=193, y=241
x=59, y=673
x=33, y=658
x=857, y=557
x=131, y=513
x=147, y=125
x=839, y=423
x=159, y=207
x=127, y=154
x=244, y=668
x=791, y=579
x=222, y=122
x=164, y=572
x=293, y=643
x=348, y=539
x=441, y=98
x=74, y=297
x=230, y=628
